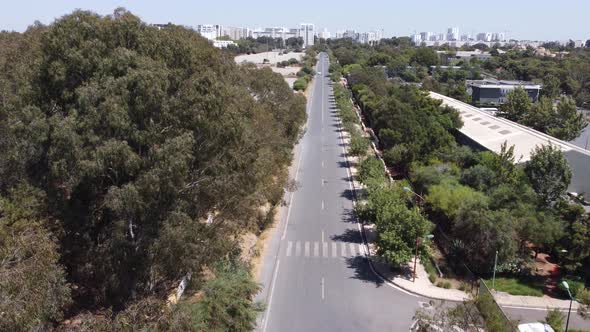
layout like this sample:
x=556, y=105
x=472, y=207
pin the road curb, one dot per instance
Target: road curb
x=361, y=227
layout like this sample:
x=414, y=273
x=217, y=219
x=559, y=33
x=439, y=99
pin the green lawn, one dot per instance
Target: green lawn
x=517, y=286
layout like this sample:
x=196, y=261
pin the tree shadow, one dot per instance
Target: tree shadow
x=362, y=270
x=349, y=235
x=348, y=194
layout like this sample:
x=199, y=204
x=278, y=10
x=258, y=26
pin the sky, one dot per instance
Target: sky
x=521, y=19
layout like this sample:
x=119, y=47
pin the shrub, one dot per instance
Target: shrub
x=555, y=319
x=576, y=287
x=300, y=84
x=584, y=296
x=432, y=278
x=358, y=145
x=447, y=284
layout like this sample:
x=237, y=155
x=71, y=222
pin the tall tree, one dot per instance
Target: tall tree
x=548, y=172
x=517, y=105
x=568, y=122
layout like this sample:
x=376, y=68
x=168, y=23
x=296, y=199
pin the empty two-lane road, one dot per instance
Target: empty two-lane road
x=318, y=278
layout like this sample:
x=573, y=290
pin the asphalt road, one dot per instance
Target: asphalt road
x=528, y=315
x=315, y=276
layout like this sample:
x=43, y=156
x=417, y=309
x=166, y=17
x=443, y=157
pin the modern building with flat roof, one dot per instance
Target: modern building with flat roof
x=484, y=131
x=495, y=92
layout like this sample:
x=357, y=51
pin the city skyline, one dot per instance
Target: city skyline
x=520, y=20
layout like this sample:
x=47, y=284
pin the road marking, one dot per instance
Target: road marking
x=289, y=248
x=322, y=204
x=334, y=249
x=316, y=249
x=297, y=249
x=272, y=289
x=322, y=236
x=352, y=249
x=306, y=249
x=322, y=164
x=323, y=292
x=361, y=249
x=292, y=195
x=325, y=249
x=342, y=249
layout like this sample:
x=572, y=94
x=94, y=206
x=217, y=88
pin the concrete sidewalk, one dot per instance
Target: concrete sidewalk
x=422, y=285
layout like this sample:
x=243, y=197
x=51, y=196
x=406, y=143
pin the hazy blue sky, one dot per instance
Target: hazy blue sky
x=524, y=19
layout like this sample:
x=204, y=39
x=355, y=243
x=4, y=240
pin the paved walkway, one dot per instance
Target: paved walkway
x=422, y=285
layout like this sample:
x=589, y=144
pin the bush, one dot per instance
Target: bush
x=555, y=319
x=584, y=296
x=432, y=278
x=576, y=287
x=447, y=284
x=358, y=145
x=300, y=84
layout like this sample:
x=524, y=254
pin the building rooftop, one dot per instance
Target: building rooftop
x=494, y=83
x=491, y=132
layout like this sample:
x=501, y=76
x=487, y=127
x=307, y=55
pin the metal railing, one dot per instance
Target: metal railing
x=495, y=318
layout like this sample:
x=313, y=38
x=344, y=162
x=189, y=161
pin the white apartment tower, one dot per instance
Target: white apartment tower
x=307, y=32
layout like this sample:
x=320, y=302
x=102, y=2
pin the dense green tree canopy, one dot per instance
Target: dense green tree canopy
x=135, y=136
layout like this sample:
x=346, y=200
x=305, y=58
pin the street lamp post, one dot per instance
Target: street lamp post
x=567, y=288
x=418, y=241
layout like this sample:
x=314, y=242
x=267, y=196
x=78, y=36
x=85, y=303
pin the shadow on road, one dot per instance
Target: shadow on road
x=362, y=270
x=350, y=235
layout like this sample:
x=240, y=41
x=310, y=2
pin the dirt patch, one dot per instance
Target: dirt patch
x=248, y=242
x=261, y=244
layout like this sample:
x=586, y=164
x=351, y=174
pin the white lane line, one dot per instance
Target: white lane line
x=297, y=249
x=334, y=249
x=289, y=248
x=342, y=249
x=325, y=249
x=292, y=195
x=352, y=249
x=322, y=236
x=322, y=164
x=273, y=283
x=322, y=204
x=323, y=292
x=361, y=249
x=272, y=289
x=306, y=249
x=316, y=249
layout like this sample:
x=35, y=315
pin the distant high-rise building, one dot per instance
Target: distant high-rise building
x=425, y=36
x=453, y=34
x=210, y=31
x=417, y=39
x=325, y=34
x=484, y=36
x=371, y=37
x=235, y=33
x=307, y=32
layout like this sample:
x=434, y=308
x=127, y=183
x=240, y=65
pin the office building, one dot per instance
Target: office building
x=307, y=32
x=494, y=92
x=325, y=34
x=210, y=31
x=453, y=34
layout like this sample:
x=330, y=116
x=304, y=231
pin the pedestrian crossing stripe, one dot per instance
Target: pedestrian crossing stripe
x=330, y=249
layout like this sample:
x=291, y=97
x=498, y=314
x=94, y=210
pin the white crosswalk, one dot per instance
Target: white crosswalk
x=330, y=249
